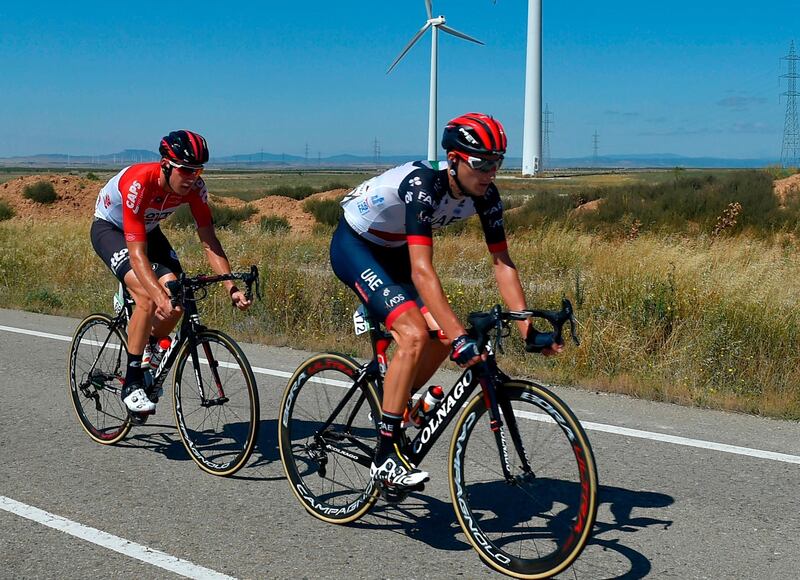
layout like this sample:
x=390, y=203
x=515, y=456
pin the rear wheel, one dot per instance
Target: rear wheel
x=327, y=432
x=217, y=417
x=537, y=524
x=96, y=370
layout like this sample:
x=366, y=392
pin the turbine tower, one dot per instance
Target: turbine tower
x=435, y=24
x=532, y=121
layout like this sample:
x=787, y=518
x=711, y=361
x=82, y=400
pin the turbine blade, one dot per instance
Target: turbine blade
x=429, y=8
x=409, y=45
x=448, y=30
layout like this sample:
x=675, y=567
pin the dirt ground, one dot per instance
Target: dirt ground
x=77, y=196
x=789, y=187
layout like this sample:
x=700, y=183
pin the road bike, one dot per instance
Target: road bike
x=215, y=395
x=521, y=472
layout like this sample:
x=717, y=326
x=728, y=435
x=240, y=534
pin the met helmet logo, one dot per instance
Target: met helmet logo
x=467, y=136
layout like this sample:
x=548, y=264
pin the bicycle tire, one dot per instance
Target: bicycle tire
x=219, y=433
x=97, y=398
x=329, y=471
x=538, y=526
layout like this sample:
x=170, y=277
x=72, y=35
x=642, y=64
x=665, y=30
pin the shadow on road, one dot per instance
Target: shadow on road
x=432, y=521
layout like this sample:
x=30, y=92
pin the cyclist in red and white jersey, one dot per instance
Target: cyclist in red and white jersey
x=383, y=250
x=126, y=236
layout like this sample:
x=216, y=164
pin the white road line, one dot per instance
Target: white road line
x=685, y=441
x=636, y=433
x=106, y=540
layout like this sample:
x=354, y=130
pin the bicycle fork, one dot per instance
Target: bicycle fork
x=498, y=427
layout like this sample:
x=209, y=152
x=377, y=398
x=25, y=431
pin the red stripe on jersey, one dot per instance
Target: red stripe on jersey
x=419, y=240
x=498, y=247
x=397, y=312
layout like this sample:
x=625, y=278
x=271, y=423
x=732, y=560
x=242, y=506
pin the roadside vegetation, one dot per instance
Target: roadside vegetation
x=694, y=305
x=40, y=192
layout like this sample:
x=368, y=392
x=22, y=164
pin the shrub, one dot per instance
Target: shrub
x=224, y=217
x=40, y=192
x=325, y=211
x=92, y=176
x=274, y=224
x=299, y=192
x=6, y=211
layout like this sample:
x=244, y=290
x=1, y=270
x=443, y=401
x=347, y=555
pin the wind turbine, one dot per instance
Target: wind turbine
x=435, y=24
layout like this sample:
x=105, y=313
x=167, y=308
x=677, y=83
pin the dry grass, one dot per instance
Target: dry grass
x=705, y=321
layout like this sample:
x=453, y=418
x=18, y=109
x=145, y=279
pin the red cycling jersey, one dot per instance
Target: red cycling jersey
x=134, y=201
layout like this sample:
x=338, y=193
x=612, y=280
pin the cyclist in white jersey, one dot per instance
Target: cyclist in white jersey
x=383, y=250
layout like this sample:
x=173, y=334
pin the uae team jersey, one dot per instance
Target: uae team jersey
x=134, y=202
x=405, y=204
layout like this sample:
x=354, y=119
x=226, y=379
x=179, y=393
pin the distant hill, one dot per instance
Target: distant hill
x=344, y=161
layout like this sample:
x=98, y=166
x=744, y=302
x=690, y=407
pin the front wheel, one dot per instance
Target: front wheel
x=538, y=522
x=216, y=403
x=327, y=431
x=96, y=372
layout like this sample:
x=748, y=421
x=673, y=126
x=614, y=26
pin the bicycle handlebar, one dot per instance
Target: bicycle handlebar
x=490, y=324
x=178, y=288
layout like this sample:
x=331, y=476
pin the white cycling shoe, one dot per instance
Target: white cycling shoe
x=396, y=471
x=137, y=402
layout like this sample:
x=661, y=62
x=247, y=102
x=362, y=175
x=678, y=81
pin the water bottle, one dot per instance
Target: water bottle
x=159, y=348
x=424, y=405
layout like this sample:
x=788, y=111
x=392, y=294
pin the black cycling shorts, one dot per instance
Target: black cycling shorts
x=109, y=243
x=380, y=276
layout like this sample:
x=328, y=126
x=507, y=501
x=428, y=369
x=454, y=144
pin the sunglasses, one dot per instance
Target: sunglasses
x=186, y=170
x=481, y=164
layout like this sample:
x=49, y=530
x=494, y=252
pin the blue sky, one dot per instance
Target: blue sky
x=697, y=78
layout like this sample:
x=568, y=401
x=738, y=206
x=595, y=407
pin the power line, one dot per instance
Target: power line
x=595, y=147
x=546, y=122
x=790, y=150
x=376, y=150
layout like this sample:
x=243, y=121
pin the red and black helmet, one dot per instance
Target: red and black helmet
x=475, y=134
x=184, y=148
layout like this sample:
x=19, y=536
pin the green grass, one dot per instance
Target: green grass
x=274, y=224
x=325, y=211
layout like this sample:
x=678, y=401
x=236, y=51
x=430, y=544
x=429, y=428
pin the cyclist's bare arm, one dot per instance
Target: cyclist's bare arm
x=427, y=283
x=510, y=287
x=220, y=265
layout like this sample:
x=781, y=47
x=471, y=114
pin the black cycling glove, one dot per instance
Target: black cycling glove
x=538, y=341
x=464, y=350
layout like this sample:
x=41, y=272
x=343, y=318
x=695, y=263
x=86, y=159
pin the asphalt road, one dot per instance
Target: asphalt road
x=669, y=509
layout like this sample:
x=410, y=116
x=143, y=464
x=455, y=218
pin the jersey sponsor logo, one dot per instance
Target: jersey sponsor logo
x=496, y=223
x=445, y=220
x=409, y=196
x=424, y=218
x=371, y=278
x=394, y=301
x=203, y=193
x=425, y=197
x=153, y=215
x=131, y=200
x=107, y=201
x=363, y=207
x=496, y=208
x=376, y=200
x=415, y=181
x=118, y=257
